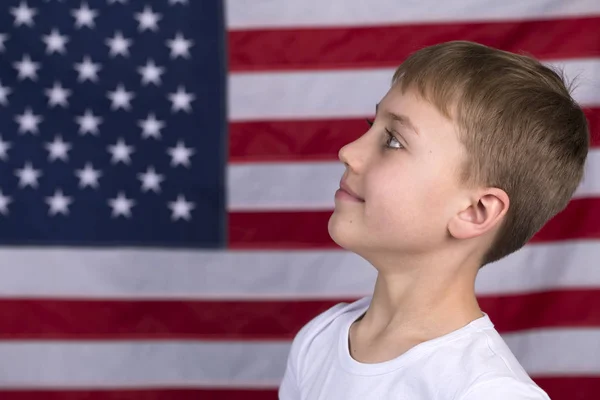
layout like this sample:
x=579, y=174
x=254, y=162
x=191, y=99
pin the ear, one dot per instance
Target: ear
x=483, y=214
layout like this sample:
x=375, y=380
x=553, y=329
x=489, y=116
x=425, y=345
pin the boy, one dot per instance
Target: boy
x=471, y=152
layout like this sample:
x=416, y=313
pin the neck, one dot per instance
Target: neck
x=422, y=302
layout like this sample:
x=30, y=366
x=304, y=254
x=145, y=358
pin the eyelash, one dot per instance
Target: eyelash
x=389, y=138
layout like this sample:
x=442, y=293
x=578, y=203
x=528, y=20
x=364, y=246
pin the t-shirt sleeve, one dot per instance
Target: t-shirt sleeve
x=289, y=388
x=505, y=389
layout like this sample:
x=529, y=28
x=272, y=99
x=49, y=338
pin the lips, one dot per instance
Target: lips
x=344, y=186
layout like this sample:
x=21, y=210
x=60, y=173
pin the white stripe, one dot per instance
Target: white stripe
x=136, y=274
x=283, y=186
x=243, y=14
x=560, y=352
x=541, y=267
x=236, y=364
x=311, y=186
x=344, y=93
x=137, y=364
x=177, y=274
x=590, y=186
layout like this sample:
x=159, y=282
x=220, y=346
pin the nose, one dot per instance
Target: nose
x=352, y=155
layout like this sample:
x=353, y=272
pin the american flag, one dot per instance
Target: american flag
x=168, y=170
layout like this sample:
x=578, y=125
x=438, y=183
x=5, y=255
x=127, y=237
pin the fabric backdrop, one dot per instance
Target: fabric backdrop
x=168, y=169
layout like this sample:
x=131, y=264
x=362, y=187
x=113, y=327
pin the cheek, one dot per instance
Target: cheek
x=390, y=201
x=399, y=201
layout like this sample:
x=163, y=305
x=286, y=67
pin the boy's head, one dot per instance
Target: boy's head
x=496, y=148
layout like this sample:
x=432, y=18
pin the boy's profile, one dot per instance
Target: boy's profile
x=471, y=152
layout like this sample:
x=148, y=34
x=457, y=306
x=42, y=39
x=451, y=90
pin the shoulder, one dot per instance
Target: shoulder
x=323, y=321
x=504, y=388
x=495, y=372
x=319, y=328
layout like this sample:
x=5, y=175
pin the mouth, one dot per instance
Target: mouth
x=346, y=193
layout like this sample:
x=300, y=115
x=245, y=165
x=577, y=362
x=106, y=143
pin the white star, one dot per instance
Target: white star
x=4, y=146
x=23, y=14
x=84, y=16
x=120, y=98
x=58, y=149
x=57, y=95
x=3, y=38
x=27, y=68
x=180, y=46
x=173, y=2
x=28, y=176
x=87, y=70
x=121, y=152
x=28, y=121
x=181, y=208
x=181, y=100
x=59, y=203
x=151, y=73
x=4, y=202
x=88, y=123
x=180, y=154
x=88, y=176
x=4, y=92
x=151, y=126
x=151, y=180
x=147, y=19
x=118, y=45
x=55, y=42
x=121, y=205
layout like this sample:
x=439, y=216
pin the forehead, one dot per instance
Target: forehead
x=424, y=115
x=438, y=136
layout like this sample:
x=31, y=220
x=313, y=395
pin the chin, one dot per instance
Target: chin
x=349, y=238
x=344, y=233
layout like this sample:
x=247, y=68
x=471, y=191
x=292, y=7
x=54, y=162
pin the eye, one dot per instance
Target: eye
x=392, y=142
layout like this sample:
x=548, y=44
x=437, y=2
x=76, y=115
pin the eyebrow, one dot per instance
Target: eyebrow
x=403, y=119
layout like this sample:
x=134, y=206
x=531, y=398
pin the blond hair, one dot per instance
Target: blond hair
x=522, y=130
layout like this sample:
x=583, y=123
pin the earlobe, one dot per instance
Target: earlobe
x=484, y=213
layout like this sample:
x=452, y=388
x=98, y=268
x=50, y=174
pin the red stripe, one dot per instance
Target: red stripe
x=279, y=230
x=570, y=388
x=593, y=116
x=558, y=388
x=147, y=394
x=253, y=319
x=155, y=319
x=311, y=140
x=383, y=46
x=271, y=229
x=580, y=220
x=283, y=141
x=553, y=309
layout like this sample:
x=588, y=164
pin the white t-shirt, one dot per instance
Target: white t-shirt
x=471, y=363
